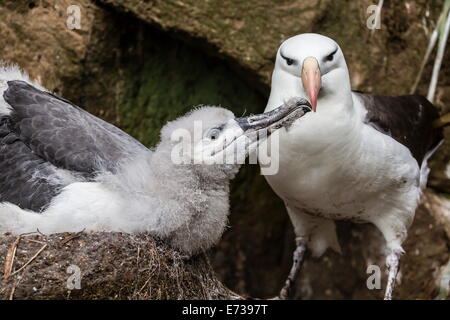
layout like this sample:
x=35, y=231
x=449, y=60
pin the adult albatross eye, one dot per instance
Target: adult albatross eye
x=330, y=57
x=289, y=61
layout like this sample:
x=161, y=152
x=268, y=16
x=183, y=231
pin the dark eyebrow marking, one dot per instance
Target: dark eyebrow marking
x=330, y=56
x=289, y=61
x=335, y=50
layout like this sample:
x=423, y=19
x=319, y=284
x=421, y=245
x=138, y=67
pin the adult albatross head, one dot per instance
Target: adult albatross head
x=311, y=66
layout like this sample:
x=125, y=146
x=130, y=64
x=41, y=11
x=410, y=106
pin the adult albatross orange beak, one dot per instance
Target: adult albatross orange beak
x=311, y=79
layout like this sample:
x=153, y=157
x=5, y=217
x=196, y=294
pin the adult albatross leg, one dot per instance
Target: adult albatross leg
x=394, y=231
x=393, y=263
x=298, y=255
x=315, y=233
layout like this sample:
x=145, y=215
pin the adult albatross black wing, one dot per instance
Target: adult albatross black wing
x=47, y=142
x=407, y=119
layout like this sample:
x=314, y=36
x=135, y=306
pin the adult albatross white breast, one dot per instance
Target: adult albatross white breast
x=359, y=157
x=63, y=169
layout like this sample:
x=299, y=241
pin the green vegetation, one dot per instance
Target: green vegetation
x=171, y=81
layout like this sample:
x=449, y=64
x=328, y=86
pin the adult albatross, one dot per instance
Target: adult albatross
x=63, y=169
x=359, y=157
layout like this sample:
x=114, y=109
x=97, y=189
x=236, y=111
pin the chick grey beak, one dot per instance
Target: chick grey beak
x=277, y=118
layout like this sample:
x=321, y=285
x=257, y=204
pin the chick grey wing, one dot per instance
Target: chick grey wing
x=26, y=180
x=65, y=135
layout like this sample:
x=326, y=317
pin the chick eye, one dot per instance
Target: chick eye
x=214, y=134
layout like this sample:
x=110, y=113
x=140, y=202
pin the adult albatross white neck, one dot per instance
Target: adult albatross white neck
x=359, y=157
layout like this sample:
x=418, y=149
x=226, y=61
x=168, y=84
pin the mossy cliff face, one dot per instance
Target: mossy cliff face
x=141, y=63
x=154, y=78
